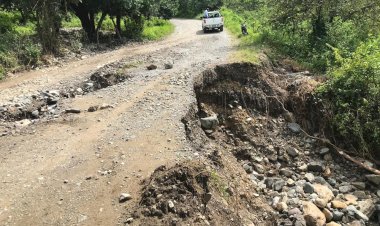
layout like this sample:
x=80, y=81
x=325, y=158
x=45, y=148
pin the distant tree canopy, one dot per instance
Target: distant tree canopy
x=190, y=8
x=291, y=13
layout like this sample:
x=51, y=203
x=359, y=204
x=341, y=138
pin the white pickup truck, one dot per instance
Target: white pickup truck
x=214, y=20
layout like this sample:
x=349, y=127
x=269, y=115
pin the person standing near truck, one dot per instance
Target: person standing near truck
x=206, y=13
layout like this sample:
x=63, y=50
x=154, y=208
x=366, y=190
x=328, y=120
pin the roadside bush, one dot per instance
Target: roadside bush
x=352, y=97
x=6, y=21
x=2, y=72
x=134, y=28
x=30, y=54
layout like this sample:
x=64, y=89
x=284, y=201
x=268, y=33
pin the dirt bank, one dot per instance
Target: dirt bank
x=244, y=129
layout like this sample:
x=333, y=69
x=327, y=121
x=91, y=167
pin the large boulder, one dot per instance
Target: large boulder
x=312, y=215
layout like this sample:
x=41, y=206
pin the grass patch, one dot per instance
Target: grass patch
x=157, y=29
x=217, y=182
x=71, y=21
x=74, y=22
x=249, y=45
x=154, y=29
x=18, y=46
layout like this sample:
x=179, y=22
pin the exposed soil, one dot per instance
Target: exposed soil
x=258, y=127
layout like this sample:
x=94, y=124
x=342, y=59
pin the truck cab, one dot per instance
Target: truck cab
x=213, y=21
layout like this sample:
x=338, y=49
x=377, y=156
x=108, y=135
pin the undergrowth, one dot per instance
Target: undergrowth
x=248, y=46
x=352, y=97
x=18, y=46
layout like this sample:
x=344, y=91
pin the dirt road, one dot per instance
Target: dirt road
x=71, y=171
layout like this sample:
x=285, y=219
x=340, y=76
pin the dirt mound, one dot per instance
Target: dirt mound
x=47, y=104
x=194, y=193
x=102, y=80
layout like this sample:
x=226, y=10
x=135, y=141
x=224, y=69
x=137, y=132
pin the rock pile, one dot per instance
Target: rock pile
x=303, y=180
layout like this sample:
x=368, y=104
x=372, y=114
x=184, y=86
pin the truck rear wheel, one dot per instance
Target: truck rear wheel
x=205, y=30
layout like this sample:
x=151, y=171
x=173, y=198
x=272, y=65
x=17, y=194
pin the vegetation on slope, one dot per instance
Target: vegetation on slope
x=337, y=38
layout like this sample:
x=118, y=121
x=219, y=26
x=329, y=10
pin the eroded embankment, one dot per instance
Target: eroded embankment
x=255, y=159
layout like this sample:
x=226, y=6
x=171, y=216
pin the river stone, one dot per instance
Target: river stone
x=124, y=197
x=333, y=224
x=345, y=189
x=337, y=215
x=367, y=207
x=278, y=185
x=294, y=211
x=210, y=122
x=293, y=152
x=358, y=214
x=329, y=216
x=323, y=192
x=321, y=203
x=315, y=167
x=286, y=172
x=309, y=177
x=294, y=127
x=151, y=67
x=324, y=151
x=308, y=188
x=248, y=168
x=351, y=199
x=360, y=194
x=338, y=204
x=373, y=178
x=312, y=215
x=359, y=185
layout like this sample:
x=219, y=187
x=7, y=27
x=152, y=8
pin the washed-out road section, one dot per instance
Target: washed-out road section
x=71, y=171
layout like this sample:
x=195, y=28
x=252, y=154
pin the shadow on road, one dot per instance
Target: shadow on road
x=201, y=32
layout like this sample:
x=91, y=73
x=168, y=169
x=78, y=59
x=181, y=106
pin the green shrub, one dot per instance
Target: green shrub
x=134, y=28
x=353, y=99
x=71, y=21
x=8, y=60
x=2, y=72
x=30, y=54
x=6, y=21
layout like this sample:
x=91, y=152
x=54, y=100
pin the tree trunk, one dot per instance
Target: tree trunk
x=117, y=31
x=319, y=27
x=48, y=25
x=118, y=24
x=99, y=26
x=87, y=20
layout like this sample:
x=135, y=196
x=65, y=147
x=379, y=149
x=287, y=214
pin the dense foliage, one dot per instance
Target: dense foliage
x=353, y=97
x=339, y=38
x=191, y=8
